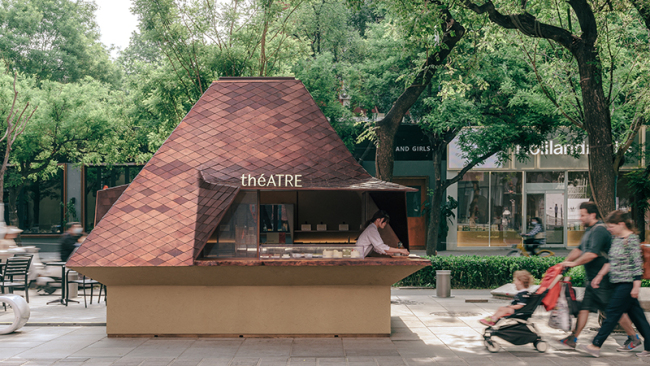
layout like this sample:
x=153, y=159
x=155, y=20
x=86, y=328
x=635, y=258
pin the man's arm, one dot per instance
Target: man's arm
x=584, y=258
x=575, y=253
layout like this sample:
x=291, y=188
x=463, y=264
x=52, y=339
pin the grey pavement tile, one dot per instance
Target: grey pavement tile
x=103, y=361
x=128, y=362
x=161, y=361
x=19, y=344
x=265, y=347
x=245, y=361
x=362, y=361
x=209, y=348
x=371, y=347
x=160, y=348
x=274, y=361
x=303, y=361
x=40, y=362
x=215, y=362
x=11, y=352
x=390, y=361
x=332, y=361
x=322, y=347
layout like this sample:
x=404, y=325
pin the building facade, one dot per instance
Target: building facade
x=497, y=201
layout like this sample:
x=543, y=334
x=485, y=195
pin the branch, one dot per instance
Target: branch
x=454, y=31
x=525, y=23
x=468, y=167
x=586, y=19
x=635, y=127
x=547, y=93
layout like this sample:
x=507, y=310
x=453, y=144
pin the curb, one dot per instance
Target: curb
x=60, y=324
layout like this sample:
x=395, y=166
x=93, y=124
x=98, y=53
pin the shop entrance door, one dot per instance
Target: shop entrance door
x=549, y=207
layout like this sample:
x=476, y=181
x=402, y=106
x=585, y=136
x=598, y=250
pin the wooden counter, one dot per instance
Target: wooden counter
x=369, y=261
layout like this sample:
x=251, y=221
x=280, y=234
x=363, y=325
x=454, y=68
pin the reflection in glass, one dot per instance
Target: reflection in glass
x=276, y=224
x=473, y=210
x=506, y=208
x=236, y=235
x=545, y=177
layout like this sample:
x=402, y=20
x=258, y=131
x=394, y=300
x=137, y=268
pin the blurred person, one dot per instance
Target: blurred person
x=625, y=268
x=592, y=253
x=70, y=240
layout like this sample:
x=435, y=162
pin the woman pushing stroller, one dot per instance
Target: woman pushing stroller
x=625, y=270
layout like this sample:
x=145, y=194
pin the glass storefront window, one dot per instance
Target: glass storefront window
x=473, y=211
x=506, y=206
x=100, y=177
x=38, y=205
x=236, y=235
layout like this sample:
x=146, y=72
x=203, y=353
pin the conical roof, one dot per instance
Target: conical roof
x=239, y=127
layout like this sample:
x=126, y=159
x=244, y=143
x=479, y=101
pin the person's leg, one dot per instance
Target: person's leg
x=583, y=316
x=618, y=304
x=626, y=324
x=637, y=316
x=501, y=312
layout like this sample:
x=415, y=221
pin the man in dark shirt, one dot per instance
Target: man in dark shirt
x=592, y=253
x=69, y=240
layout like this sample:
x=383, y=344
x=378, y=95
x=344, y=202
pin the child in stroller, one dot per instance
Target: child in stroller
x=513, y=325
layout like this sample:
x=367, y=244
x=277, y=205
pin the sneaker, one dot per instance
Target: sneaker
x=487, y=321
x=630, y=344
x=643, y=354
x=586, y=349
x=569, y=341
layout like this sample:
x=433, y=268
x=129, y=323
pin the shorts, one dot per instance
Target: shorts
x=596, y=299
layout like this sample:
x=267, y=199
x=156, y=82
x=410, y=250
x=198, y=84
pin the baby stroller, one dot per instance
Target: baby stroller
x=517, y=329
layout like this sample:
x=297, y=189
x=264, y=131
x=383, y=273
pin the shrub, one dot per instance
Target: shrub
x=476, y=272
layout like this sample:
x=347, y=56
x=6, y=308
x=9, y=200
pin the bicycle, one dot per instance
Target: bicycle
x=520, y=251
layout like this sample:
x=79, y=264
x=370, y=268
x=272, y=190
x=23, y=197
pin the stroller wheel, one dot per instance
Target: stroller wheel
x=541, y=346
x=491, y=346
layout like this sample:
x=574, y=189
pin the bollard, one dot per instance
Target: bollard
x=73, y=288
x=21, y=312
x=443, y=283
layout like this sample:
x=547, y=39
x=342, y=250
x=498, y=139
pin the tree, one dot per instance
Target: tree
x=587, y=50
x=77, y=123
x=54, y=40
x=17, y=118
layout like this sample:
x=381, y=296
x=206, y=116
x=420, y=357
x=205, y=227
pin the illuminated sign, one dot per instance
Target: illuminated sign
x=273, y=180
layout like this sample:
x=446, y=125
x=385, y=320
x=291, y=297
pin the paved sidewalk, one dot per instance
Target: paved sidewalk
x=426, y=331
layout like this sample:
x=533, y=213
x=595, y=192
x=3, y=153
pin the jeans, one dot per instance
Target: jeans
x=622, y=302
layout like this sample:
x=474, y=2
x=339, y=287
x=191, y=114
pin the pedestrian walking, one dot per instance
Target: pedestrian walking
x=592, y=253
x=625, y=270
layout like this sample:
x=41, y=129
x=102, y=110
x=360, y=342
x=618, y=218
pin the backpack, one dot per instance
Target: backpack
x=645, y=254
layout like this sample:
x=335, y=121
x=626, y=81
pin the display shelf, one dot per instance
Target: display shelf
x=327, y=231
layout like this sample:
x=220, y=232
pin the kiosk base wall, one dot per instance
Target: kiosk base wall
x=248, y=311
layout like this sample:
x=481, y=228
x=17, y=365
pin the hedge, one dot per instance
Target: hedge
x=476, y=272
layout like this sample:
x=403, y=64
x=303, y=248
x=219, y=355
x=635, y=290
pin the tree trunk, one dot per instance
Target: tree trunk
x=435, y=215
x=439, y=191
x=13, y=209
x=385, y=155
x=598, y=125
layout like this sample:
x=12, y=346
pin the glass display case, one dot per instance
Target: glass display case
x=320, y=251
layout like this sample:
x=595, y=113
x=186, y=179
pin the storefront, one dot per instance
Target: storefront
x=413, y=167
x=244, y=223
x=496, y=202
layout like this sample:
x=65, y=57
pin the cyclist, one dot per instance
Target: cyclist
x=535, y=237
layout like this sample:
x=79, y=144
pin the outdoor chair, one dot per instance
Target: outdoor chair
x=86, y=282
x=14, y=274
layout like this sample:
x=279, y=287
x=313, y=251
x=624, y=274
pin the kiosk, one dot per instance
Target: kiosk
x=244, y=223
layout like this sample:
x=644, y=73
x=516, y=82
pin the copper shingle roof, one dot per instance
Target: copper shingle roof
x=240, y=126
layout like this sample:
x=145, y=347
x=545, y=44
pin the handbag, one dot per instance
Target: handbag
x=560, y=317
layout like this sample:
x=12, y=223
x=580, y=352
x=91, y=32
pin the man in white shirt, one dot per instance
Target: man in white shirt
x=370, y=238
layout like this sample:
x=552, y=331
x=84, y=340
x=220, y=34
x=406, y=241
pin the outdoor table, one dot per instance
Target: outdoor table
x=64, y=285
